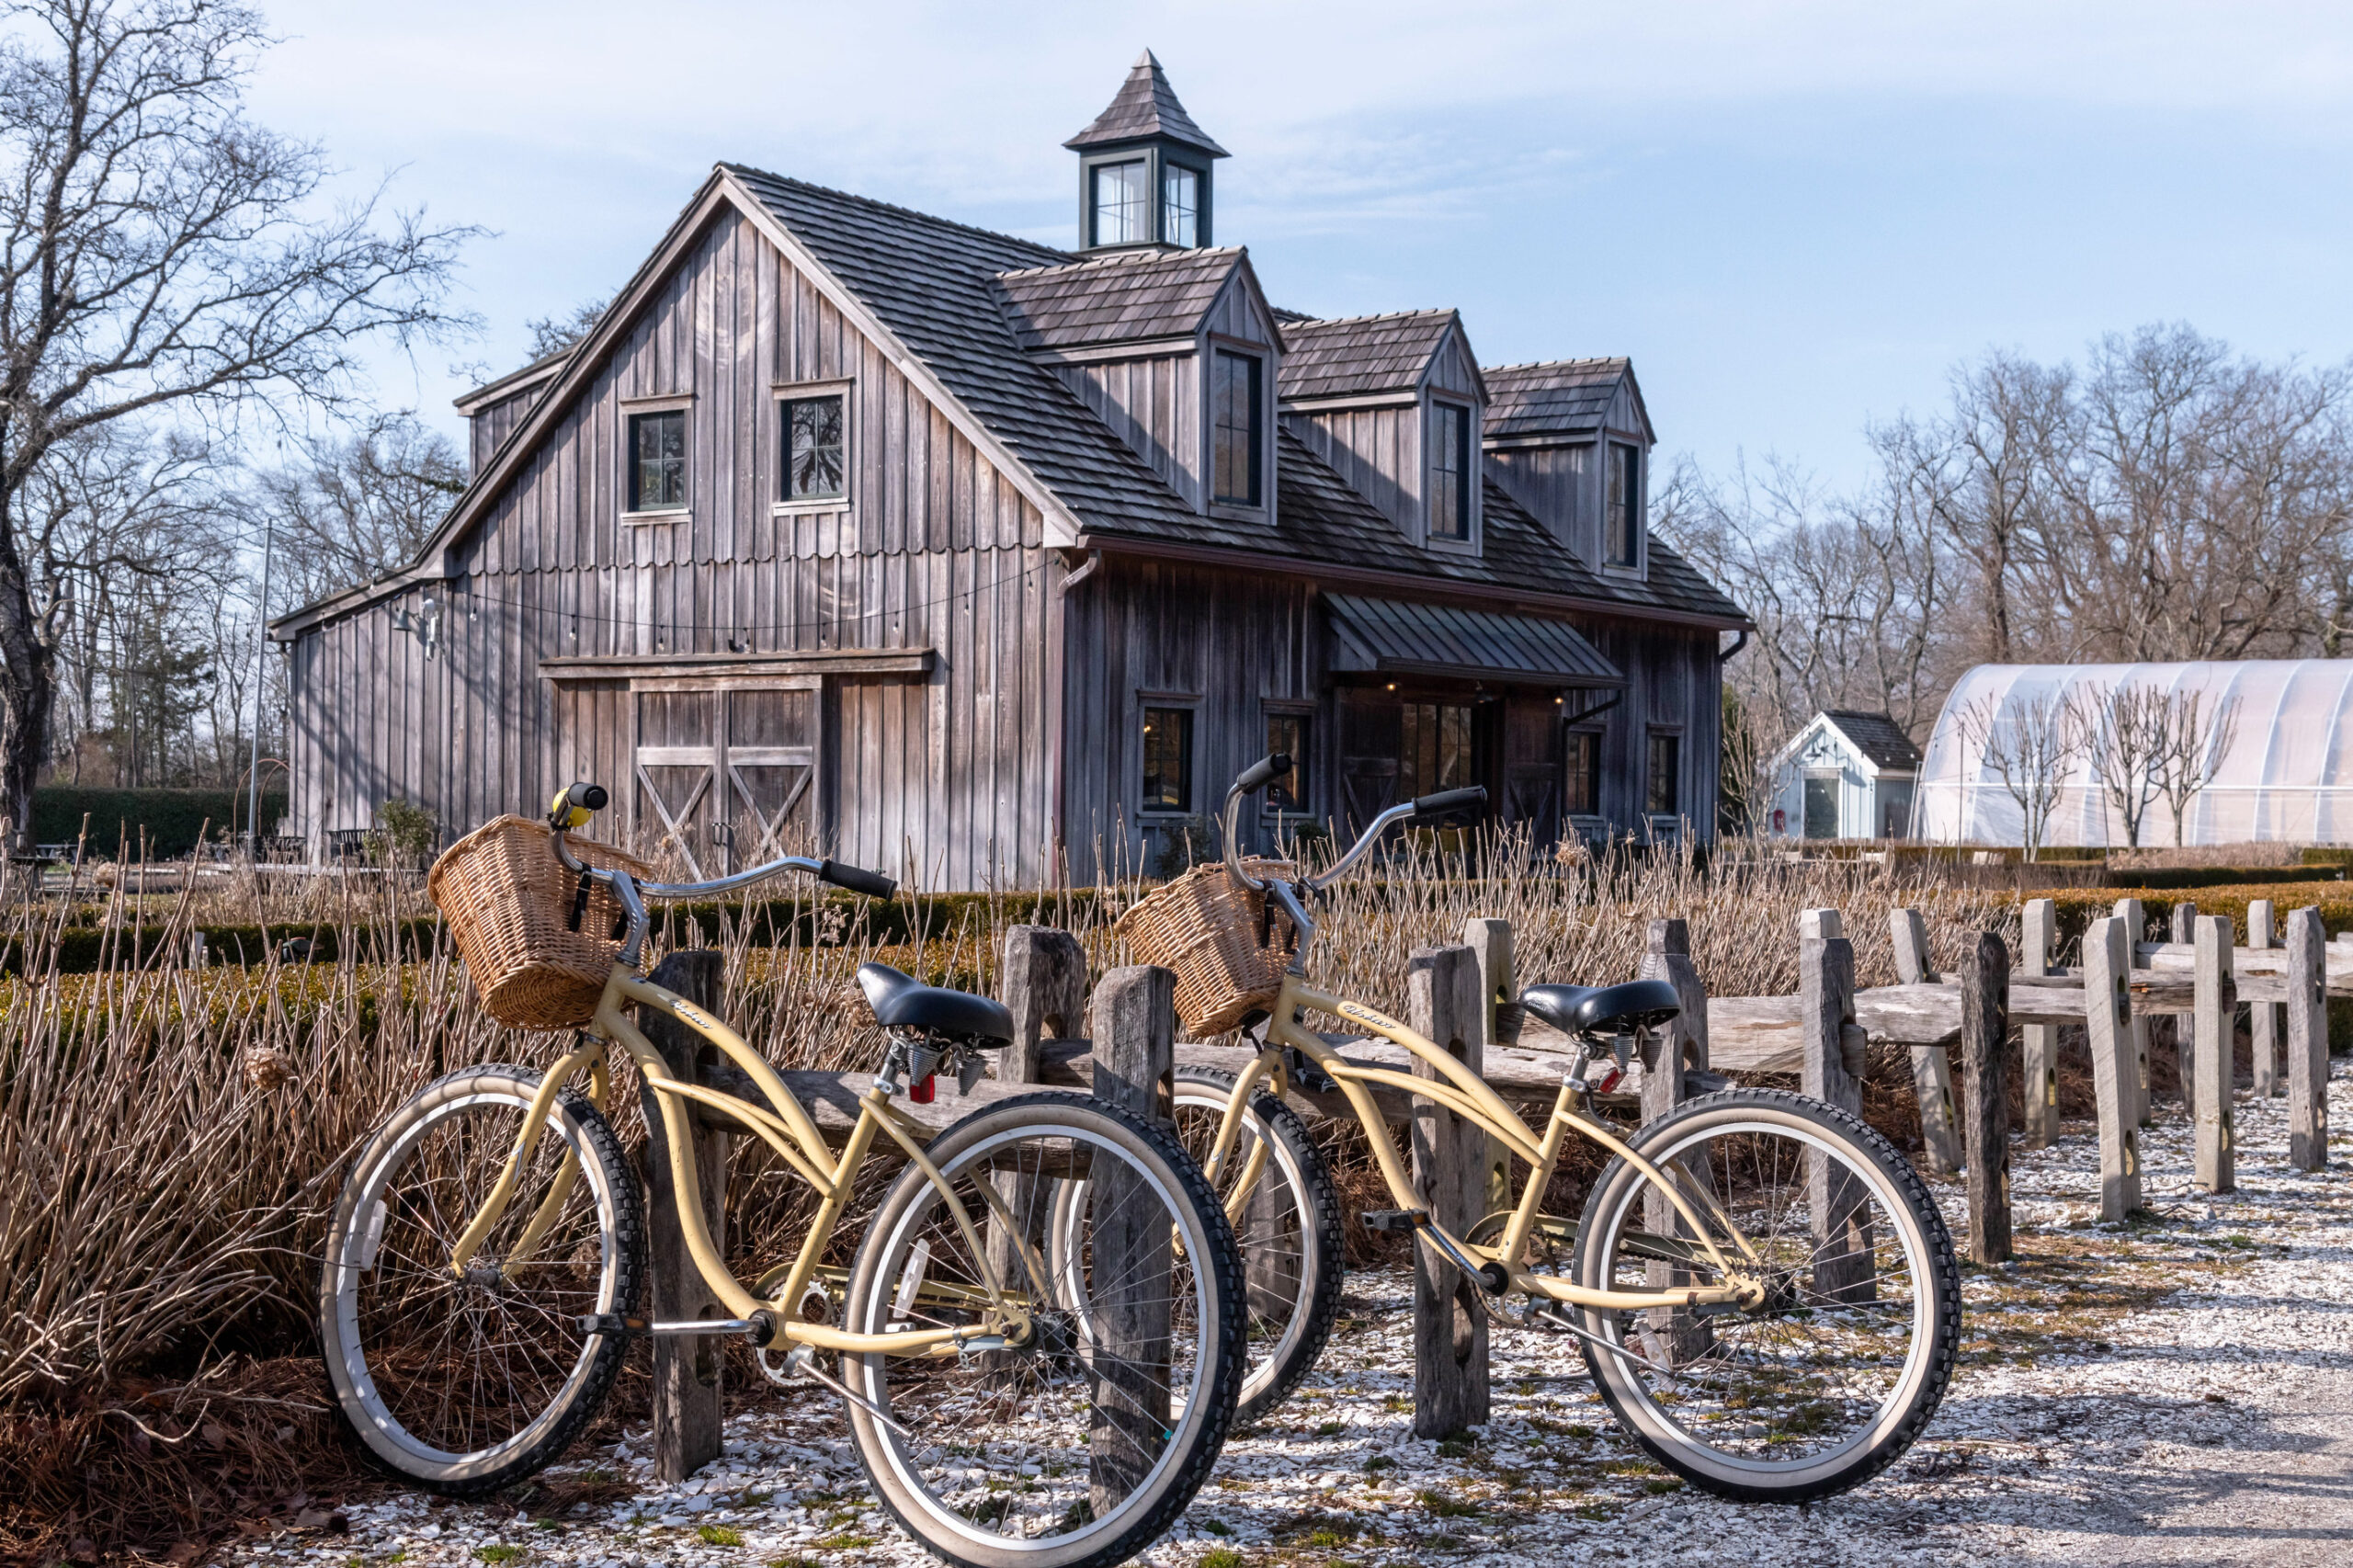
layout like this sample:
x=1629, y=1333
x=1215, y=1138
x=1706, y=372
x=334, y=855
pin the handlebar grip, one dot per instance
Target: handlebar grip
x=873, y=884
x=575, y=803
x=1446, y=801
x=1263, y=772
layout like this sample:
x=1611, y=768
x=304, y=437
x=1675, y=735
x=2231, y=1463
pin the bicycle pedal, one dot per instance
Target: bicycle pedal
x=612, y=1323
x=1305, y=1075
x=1392, y=1222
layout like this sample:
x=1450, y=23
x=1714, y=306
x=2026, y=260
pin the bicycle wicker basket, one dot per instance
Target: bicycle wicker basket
x=508, y=902
x=1214, y=933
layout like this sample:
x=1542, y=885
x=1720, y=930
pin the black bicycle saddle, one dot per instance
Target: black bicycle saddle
x=900, y=1002
x=1591, y=1009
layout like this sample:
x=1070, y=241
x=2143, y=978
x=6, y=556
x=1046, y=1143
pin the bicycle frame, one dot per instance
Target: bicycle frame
x=785, y=1125
x=1461, y=1091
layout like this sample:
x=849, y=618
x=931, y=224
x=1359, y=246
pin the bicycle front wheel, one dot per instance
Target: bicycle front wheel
x=1822, y=1383
x=467, y=1382
x=1083, y=1444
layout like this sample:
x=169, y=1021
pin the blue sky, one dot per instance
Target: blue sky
x=1795, y=217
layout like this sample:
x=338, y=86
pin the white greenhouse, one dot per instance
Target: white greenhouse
x=2284, y=772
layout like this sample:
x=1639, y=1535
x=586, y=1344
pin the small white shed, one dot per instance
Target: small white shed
x=1846, y=775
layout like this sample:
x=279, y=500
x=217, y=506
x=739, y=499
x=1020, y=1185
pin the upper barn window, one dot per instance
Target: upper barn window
x=1237, y=396
x=815, y=448
x=1450, y=472
x=657, y=460
x=1624, y=522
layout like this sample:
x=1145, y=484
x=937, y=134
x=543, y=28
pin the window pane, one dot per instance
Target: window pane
x=1234, y=399
x=1168, y=759
x=1436, y=750
x=657, y=470
x=1664, y=793
x=1180, y=206
x=1583, y=773
x=1119, y=210
x=813, y=466
x=1287, y=733
x=1449, y=473
x=1624, y=522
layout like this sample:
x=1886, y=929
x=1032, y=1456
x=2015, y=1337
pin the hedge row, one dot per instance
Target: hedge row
x=2223, y=876
x=2078, y=907
x=170, y=818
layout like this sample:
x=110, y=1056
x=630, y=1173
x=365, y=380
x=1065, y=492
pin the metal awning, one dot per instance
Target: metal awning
x=1397, y=636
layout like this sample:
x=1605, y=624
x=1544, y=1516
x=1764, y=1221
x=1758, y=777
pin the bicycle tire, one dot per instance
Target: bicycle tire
x=357, y=1370
x=1198, y=1434
x=1928, y=1261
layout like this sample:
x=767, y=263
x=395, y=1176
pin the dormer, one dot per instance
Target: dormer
x=1396, y=404
x=494, y=408
x=1144, y=170
x=1570, y=440
x=1177, y=352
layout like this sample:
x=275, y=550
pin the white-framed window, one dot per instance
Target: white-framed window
x=1180, y=205
x=1120, y=201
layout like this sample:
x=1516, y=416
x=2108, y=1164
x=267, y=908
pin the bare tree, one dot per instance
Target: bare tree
x=2031, y=745
x=2196, y=734
x=2126, y=735
x=159, y=252
x=359, y=507
x=553, y=334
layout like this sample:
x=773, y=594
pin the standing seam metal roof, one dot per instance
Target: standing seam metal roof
x=1407, y=638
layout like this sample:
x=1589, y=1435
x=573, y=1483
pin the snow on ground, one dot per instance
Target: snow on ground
x=2179, y=1390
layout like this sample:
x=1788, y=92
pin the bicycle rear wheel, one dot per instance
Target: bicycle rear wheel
x=1085, y=1443
x=1828, y=1380
x=467, y=1382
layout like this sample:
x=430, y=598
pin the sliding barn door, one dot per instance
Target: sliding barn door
x=726, y=776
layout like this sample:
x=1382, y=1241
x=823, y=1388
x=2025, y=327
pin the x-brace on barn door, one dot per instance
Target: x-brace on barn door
x=724, y=770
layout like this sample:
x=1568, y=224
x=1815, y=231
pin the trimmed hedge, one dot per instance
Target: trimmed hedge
x=2223, y=876
x=170, y=818
x=2078, y=907
x=82, y=950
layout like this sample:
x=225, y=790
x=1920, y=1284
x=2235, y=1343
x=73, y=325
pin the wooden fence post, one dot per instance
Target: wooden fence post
x=2263, y=1017
x=2136, y=931
x=1667, y=955
x=2216, y=1015
x=1043, y=982
x=2183, y=1031
x=1490, y=942
x=1931, y=1071
x=686, y=1366
x=2108, y=1023
x=1449, y=1321
x=1985, y=1020
x=1835, y=1199
x=2307, y=1041
x=1135, y=1033
x=2039, y=1044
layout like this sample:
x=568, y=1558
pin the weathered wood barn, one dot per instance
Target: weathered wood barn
x=987, y=563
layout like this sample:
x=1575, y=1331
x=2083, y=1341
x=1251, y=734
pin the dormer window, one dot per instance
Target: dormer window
x=1237, y=398
x=1180, y=206
x=1450, y=472
x=1122, y=213
x=1622, y=521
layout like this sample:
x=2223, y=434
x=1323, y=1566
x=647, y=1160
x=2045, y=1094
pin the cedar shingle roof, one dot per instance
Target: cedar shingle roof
x=1117, y=298
x=1146, y=106
x=1359, y=355
x=1878, y=737
x=1562, y=397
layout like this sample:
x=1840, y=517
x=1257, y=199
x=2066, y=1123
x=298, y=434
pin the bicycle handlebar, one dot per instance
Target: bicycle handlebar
x=577, y=802
x=1446, y=801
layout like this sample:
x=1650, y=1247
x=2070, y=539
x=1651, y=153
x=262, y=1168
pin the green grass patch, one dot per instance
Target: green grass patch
x=719, y=1535
x=497, y=1553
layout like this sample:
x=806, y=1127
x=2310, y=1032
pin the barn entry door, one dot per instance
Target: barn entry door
x=726, y=775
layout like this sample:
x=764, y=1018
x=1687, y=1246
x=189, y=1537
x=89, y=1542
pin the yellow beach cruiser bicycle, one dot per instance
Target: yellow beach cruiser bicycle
x=1761, y=1286
x=1037, y=1342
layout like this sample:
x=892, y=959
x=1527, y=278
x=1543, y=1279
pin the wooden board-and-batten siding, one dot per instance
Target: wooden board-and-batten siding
x=944, y=775
x=1233, y=648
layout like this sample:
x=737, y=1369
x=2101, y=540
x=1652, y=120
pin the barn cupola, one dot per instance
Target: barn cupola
x=1144, y=169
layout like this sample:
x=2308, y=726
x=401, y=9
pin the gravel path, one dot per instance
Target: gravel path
x=2179, y=1390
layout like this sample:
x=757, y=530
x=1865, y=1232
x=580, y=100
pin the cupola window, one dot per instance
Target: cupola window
x=1180, y=206
x=1120, y=209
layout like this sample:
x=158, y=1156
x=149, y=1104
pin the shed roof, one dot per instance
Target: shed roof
x=1115, y=298
x=1398, y=636
x=1357, y=355
x=1146, y=106
x=1878, y=737
x=1557, y=397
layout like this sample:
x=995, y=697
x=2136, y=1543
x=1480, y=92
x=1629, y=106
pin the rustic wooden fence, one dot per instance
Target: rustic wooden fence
x=1462, y=996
